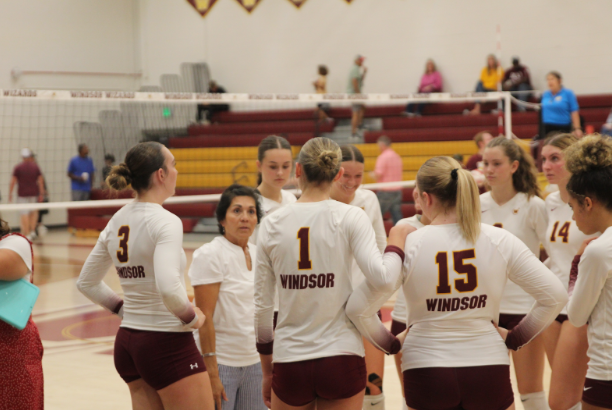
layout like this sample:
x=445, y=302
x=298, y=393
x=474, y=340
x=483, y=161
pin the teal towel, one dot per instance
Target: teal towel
x=17, y=299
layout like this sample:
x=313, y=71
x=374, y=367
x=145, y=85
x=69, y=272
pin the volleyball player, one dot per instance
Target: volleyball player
x=274, y=164
x=305, y=252
x=454, y=275
x=155, y=353
x=590, y=189
x=346, y=190
x=566, y=345
x=513, y=203
x=400, y=310
x=21, y=351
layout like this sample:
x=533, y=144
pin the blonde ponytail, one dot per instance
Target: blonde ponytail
x=455, y=187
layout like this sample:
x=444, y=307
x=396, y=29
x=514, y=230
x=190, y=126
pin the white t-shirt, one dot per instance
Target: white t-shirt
x=305, y=253
x=453, y=288
x=563, y=238
x=268, y=206
x=591, y=301
x=526, y=219
x=400, y=310
x=368, y=201
x=21, y=247
x=144, y=243
x=220, y=261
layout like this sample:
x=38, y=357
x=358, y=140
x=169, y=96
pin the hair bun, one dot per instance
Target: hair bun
x=120, y=177
x=328, y=160
x=590, y=153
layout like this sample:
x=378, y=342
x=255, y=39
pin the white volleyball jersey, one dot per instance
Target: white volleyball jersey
x=220, y=261
x=526, y=219
x=22, y=247
x=268, y=206
x=454, y=288
x=305, y=252
x=400, y=310
x=368, y=201
x=591, y=301
x=563, y=238
x=144, y=243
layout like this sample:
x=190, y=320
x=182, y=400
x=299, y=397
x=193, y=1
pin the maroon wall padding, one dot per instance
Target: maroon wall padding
x=388, y=225
x=407, y=195
x=209, y=141
x=595, y=101
x=88, y=222
x=201, y=209
x=102, y=211
x=261, y=128
x=97, y=194
x=443, y=134
x=439, y=121
x=595, y=116
x=255, y=116
x=197, y=191
x=188, y=224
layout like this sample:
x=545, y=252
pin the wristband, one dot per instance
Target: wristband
x=209, y=354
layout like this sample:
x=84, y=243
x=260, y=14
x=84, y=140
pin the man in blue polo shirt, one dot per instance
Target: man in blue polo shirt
x=81, y=172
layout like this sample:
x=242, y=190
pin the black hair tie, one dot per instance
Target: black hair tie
x=454, y=174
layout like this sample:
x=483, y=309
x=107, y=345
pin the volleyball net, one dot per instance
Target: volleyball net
x=214, y=137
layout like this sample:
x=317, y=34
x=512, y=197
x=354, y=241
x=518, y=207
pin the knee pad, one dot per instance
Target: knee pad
x=374, y=402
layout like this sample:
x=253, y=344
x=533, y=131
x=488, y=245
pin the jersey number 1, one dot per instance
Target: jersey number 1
x=462, y=285
x=304, y=263
x=122, y=252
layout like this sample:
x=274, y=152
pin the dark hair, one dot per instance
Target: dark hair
x=385, y=140
x=555, y=74
x=323, y=70
x=228, y=196
x=590, y=162
x=268, y=143
x=525, y=178
x=80, y=147
x=4, y=228
x=351, y=153
x=141, y=161
x=320, y=159
x=109, y=157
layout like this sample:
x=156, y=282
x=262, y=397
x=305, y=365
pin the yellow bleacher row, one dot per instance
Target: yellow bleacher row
x=220, y=167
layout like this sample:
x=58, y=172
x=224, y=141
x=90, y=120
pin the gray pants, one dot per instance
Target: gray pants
x=391, y=201
x=243, y=387
x=80, y=195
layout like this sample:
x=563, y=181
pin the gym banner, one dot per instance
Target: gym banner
x=249, y=5
x=202, y=6
x=297, y=3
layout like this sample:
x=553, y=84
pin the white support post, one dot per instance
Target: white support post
x=508, y=115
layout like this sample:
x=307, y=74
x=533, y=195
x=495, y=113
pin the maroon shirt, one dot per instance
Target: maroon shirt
x=472, y=163
x=27, y=174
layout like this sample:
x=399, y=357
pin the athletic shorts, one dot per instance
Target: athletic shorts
x=457, y=388
x=561, y=318
x=26, y=200
x=508, y=321
x=357, y=107
x=598, y=393
x=330, y=378
x=397, y=327
x=159, y=358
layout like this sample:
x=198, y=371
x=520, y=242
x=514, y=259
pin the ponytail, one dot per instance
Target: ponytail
x=455, y=187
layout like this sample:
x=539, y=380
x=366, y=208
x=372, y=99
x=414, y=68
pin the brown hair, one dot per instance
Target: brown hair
x=351, y=153
x=496, y=62
x=320, y=159
x=455, y=187
x=525, y=178
x=385, y=140
x=478, y=138
x=141, y=161
x=555, y=74
x=4, y=228
x=561, y=141
x=590, y=162
x=268, y=143
x=435, y=68
x=323, y=70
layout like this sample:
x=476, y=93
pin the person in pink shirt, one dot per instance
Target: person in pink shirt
x=389, y=169
x=431, y=82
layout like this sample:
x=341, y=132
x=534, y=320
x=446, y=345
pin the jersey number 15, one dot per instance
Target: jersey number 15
x=467, y=284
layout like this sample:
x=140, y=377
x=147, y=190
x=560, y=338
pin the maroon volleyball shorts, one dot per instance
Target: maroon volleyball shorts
x=561, y=318
x=508, y=321
x=330, y=378
x=397, y=327
x=159, y=358
x=598, y=393
x=456, y=388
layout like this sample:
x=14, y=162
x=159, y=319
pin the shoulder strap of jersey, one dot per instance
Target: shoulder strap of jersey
x=31, y=250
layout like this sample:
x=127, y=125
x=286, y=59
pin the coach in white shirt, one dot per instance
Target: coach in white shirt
x=222, y=275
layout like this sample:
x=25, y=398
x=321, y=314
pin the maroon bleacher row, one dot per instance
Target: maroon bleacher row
x=440, y=122
x=190, y=214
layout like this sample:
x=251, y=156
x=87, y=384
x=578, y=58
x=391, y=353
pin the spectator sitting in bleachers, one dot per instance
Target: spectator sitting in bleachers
x=606, y=129
x=206, y=111
x=431, y=82
x=490, y=77
x=517, y=79
x=481, y=139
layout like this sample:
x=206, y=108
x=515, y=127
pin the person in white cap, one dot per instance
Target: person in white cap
x=30, y=190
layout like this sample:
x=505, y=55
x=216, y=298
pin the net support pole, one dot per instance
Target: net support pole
x=508, y=114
